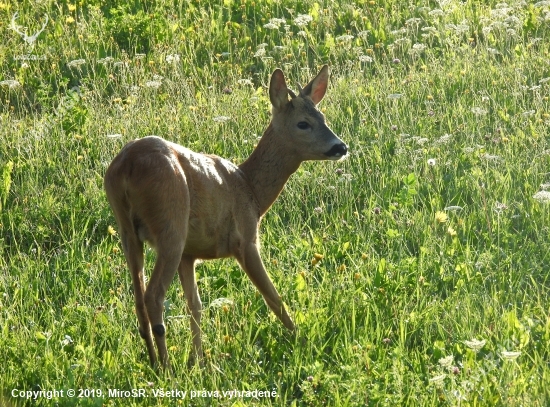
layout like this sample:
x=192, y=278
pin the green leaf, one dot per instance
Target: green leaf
x=392, y=233
x=5, y=183
x=108, y=360
x=410, y=179
x=40, y=336
x=345, y=247
x=300, y=283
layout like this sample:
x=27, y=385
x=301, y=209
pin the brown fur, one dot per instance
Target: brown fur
x=191, y=206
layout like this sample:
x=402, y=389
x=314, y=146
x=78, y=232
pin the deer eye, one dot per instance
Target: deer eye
x=303, y=125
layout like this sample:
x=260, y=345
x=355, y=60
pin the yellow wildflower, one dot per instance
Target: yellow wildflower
x=441, y=217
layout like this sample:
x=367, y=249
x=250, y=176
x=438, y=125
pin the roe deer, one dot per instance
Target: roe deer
x=191, y=206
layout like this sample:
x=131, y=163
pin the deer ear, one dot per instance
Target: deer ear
x=278, y=92
x=317, y=88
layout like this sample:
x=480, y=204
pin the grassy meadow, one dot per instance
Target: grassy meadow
x=416, y=270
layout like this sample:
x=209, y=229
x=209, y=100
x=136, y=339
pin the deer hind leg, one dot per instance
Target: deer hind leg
x=169, y=251
x=188, y=280
x=251, y=263
x=133, y=251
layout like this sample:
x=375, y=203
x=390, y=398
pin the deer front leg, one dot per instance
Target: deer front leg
x=251, y=262
x=186, y=271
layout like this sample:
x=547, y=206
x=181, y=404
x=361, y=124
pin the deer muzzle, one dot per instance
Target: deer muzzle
x=337, y=151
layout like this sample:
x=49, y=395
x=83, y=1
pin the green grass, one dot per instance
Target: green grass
x=392, y=312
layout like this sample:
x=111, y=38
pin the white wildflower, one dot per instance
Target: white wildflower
x=462, y=28
x=121, y=64
x=344, y=38
x=500, y=13
x=431, y=161
x=545, y=186
x=399, y=31
x=529, y=113
x=475, y=344
x=513, y=21
x=438, y=379
x=499, y=207
x=447, y=361
x=277, y=21
x=220, y=302
x=67, y=341
x=507, y=355
x=76, y=63
x=105, y=61
x=365, y=58
x=302, y=20
x=479, y=111
x=417, y=48
x=436, y=12
x=444, y=139
x=260, y=52
x=421, y=141
x=245, y=82
x=11, y=83
x=401, y=41
x=172, y=58
x=395, y=96
x=413, y=21
x=542, y=196
x=153, y=84
x=271, y=26
x=221, y=119
x=431, y=30
x=490, y=157
x=139, y=56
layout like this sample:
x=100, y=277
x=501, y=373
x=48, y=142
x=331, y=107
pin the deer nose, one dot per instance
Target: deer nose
x=337, y=150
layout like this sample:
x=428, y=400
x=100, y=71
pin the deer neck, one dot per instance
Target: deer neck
x=268, y=169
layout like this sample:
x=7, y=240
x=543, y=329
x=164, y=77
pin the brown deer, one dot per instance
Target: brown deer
x=191, y=206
